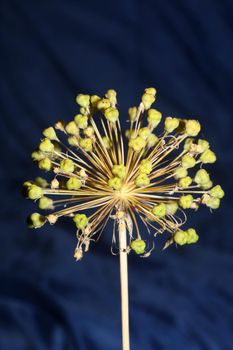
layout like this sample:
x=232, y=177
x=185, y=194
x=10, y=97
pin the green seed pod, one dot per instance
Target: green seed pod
x=46, y=146
x=81, y=121
x=203, y=145
x=73, y=141
x=206, y=186
x=107, y=142
x=50, y=133
x=147, y=100
x=188, y=161
x=73, y=184
x=154, y=118
x=171, y=208
x=119, y=171
x=188, y=144
x=137, y=144
x=41, y=182
x=103, y=104
x=145, y=167
x=180, y=237
x=171, y=124
x=86, y=144
x=138, y=246
x=192, y=127
x=67, y=165
x=115, y=183
x=213, y=203
x=83, y=100
x=132, y=112
x=152, y=140
x=185, y=182
x=142, y=180
x=180, y=172
x=144, y=133
x=202, y=177
x=150, y=91
x=72, y=129
x=159, y=210
x=81, y=221
x=208, y=157
x=45, y=164
x=111, y=95
x=35, y=192
x=217, y=192
x=111, y=114
x=45, y=203
x=192, y=236
x=36, y=220
x=186, y=201
x=37, y=155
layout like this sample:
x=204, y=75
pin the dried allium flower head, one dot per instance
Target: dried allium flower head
x=95, y=179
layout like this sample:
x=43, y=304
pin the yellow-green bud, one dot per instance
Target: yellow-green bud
x=213, y=202
x=202, y=177
x=137, y=144
x=107, y=142
x=46, y=146
x=81, y=221
x=45, y=164
x=36, y=220
x=152, y=140
x=81, y=121
x=111, y=114
x=203, y=145
x=192, y=236
x=50, y=133
x=147, y=100
x=72, y=129
x=83, y=111
x=150, y=91
x=145, y=166
x=138, y=246
x=208, y=157
x=180, y=172
x=37, y=155
x=207, y=185
x=67, y=165
x=144, y=133
x=72, y=141
x=94, y=100
x=83, y=100
x=217, y=192
x=86, y=144
x=186, y=201
x=154, y=118
x=41, y=182
x=119, y=171
x=185, y=182
x=111, y=95
x=142, y=180
x=73, y=184
x=35, y=192
x=132, y=111
x=171, y=124
x=188, y=161
x=192, y=127
x=188, y=143
x=45, y=203
x=104, y=103
x=159, y=210
x=180, y=237
x=171, y=208
x=89, y=131
x=115, y=183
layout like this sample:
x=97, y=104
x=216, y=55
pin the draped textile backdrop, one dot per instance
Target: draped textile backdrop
x=50, y=51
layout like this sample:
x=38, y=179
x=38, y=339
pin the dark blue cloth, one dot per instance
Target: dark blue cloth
x=52, y=50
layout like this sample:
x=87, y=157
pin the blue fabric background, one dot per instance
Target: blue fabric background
x=52, y=50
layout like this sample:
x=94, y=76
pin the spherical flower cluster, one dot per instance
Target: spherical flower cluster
x=153, y=175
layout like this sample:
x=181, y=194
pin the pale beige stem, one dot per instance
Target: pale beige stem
x=124, y=284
